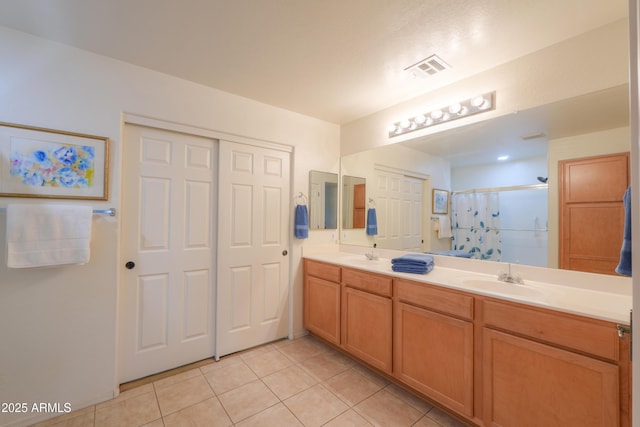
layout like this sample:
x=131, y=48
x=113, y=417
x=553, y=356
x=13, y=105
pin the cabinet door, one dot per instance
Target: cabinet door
x=434, y=355
x=367, y=327
x=322, y=308
x=530, y=385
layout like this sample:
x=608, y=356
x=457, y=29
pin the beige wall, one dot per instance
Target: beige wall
x=562, y=71
x=574, y=147
x=58, y=327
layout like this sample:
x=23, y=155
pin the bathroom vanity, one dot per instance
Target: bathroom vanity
x=494, y=353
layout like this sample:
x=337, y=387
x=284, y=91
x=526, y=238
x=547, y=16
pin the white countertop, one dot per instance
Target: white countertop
x=597, y=296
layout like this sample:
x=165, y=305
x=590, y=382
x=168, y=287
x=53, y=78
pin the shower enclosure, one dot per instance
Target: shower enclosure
x=507, y=224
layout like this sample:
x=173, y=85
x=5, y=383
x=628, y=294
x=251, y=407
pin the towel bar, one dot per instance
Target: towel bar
x=110, y=211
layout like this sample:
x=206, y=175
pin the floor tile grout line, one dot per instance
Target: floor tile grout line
x=297, y=362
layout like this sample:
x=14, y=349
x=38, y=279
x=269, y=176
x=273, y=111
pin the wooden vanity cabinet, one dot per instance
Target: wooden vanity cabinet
x=433, y=343
x=367, y=318
x=492, y=361
x=543, y=368
x=321, y=301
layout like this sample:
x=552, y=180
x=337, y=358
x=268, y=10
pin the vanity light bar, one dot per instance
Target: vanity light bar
x=468, y=107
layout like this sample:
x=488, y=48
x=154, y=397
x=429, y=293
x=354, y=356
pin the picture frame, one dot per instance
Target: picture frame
x=46, y=163
x=440, y=202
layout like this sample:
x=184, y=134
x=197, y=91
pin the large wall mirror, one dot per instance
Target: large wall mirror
x=323, y=200
x=463, y=160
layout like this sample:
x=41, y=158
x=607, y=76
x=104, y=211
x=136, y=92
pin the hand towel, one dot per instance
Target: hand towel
x=48, y=235
x=444, y=227
x=372, y=222
x=624, y=266
x=302, y=222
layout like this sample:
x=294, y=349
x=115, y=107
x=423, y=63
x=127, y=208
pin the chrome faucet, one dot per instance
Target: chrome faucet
x=509, y=278
x=371, y=256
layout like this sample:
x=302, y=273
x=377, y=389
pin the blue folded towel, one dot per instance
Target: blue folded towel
x=413, y=263
x=372, y=222
x=413, y=259
x=459, y=254
x=411, y=269
x=302, y=222
x=624, y=267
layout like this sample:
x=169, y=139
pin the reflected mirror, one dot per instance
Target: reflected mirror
x=323, y=200
x=463, y=161
x=353, y=202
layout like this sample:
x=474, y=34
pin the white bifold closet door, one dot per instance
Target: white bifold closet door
x=168, y=257
x=399, y=206
x=253, y=259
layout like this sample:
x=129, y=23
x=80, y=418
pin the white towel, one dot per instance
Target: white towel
x=48, y=235
x=443, y=227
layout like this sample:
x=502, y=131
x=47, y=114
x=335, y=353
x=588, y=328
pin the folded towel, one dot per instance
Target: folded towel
x=302, y=222
x=411, y=269
x=444, y=227
x=48, y=235
x=624, y=266
x=413, y=263
x=416, y=260
x=372, y=222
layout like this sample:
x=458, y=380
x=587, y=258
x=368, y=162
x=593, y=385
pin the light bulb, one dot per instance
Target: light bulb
x=405, y=124
x=391, y=128
x=420, y=119
x=455, y=108
x=478, y=101
x=436, y=114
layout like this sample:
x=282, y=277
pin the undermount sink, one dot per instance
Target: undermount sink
x=504, y=288
x=362, y=260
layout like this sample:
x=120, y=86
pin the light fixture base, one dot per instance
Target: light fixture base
x=457, y=110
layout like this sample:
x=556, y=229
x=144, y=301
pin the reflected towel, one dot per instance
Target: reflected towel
x=443, y=225
x=459, y=254
x=372, y=222
x=302, y=222
x=48, y=235
x=624, y=267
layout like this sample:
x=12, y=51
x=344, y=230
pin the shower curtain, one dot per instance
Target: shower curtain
x=476, y=224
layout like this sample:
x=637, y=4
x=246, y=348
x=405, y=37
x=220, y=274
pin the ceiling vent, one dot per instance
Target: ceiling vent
x=535, y=135
x=428, y=67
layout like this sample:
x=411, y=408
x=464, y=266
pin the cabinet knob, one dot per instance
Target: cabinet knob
x=130, y=265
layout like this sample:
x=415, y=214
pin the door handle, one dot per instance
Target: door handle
x=284, y=253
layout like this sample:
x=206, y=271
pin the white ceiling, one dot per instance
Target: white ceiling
x=337, y=60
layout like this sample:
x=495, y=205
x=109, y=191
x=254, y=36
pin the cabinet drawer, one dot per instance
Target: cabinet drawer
x=322, y=270
x=586, y=335
x=369, y=282
x=427, y=296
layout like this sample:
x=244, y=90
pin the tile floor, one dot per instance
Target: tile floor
x=288, y=383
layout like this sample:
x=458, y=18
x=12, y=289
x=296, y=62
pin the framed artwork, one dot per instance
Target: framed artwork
x=38, y=162
x=440, y=203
